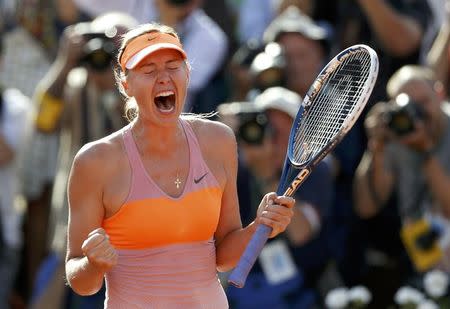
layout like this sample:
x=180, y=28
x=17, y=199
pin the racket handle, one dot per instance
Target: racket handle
x=239, y=274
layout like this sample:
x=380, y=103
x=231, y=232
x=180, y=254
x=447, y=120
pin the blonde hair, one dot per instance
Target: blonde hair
x=408, y=73
x=131, y=107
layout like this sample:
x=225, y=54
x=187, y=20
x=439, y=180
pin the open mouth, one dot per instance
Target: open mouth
x=165, y=101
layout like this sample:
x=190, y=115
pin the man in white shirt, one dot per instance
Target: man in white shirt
x=14, y=119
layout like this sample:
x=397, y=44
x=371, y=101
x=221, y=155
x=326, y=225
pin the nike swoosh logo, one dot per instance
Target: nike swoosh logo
x=151, y=38
x=197, y=180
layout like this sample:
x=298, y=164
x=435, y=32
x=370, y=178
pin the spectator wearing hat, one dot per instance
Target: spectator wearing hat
x=308, y=230
x=274, y=110
x=239, y=77
x=306, y=46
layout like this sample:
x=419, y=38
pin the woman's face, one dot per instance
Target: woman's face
x=159, y=85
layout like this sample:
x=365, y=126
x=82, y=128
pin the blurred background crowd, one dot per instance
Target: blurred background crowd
x=375, y=212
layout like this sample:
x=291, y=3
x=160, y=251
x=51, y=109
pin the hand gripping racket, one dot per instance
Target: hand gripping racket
x=328, y=111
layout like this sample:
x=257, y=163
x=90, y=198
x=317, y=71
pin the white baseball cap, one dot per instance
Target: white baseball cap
x=279, y=98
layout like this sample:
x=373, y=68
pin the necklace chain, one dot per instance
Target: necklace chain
x=177, y=182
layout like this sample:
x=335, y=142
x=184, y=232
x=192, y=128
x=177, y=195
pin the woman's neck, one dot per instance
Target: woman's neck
x=157, y=139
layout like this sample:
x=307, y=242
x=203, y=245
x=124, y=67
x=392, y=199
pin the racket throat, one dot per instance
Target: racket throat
x=301, y=177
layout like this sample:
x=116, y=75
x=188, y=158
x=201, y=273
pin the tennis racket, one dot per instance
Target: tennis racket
x=331, y=106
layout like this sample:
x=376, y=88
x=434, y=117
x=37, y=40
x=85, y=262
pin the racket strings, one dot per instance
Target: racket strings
x=331, y=106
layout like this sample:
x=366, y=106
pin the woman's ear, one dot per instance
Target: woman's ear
x=125, y=87
x=188, y=79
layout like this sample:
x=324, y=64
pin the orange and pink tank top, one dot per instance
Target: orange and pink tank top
x=167, y=256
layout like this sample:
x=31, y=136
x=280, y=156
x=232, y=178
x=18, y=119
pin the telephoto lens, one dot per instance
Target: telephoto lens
x=252, y=128
x=99, y=53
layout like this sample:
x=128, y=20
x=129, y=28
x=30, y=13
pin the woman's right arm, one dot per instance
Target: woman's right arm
x=89, y=252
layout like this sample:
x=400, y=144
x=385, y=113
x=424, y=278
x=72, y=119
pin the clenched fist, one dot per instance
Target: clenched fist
x=99, y=251
x=276, y=212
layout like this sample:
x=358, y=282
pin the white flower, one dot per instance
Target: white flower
x=337, y=298
x=427, y=304
x=435, y=283
x=360, y=294
x=406, y=295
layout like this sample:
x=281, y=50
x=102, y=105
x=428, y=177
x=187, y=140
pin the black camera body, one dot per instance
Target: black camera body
x=99, y=51
x=252, y=126
x=268, y=67
x=402, y=113
x=178, y=2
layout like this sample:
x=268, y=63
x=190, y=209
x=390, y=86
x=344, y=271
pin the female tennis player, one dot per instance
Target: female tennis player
x=153, y=206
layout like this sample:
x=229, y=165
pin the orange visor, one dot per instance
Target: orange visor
x=145, y=44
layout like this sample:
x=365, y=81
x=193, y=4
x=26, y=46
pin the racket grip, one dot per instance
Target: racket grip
x=239, y=274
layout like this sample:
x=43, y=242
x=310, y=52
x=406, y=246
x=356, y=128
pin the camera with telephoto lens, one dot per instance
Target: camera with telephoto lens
x=268, y=67
x=402, y=113
x=99, y=50
x=252, y=124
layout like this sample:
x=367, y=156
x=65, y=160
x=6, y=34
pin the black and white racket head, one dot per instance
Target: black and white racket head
x=332, y=104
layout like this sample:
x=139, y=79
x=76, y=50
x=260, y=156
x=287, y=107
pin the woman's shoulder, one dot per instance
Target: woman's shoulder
x=101, y=152
x=211, y=131
x=215, y=138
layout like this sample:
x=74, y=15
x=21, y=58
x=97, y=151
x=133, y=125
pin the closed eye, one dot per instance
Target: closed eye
x=148, y=69
x=174, y=64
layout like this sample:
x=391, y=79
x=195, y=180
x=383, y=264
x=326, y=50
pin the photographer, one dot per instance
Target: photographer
x=407, y=161
x=77, y=102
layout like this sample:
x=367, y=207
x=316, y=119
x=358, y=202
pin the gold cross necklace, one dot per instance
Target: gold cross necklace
x=177, y=182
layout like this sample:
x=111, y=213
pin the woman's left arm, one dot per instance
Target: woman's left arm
x=231, y=238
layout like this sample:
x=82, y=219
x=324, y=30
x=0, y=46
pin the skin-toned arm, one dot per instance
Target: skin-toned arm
x=6, y=152
x=67, y=11
x=437, y=57
x=89, y=253
x=69, y=53
x=299, y=231
x=365, y=203
x=231, y=238
x=373, y=182
x=439, y=184
x=400, y=34
x=435, y=174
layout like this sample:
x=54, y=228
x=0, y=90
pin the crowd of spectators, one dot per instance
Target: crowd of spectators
x=378, y=207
